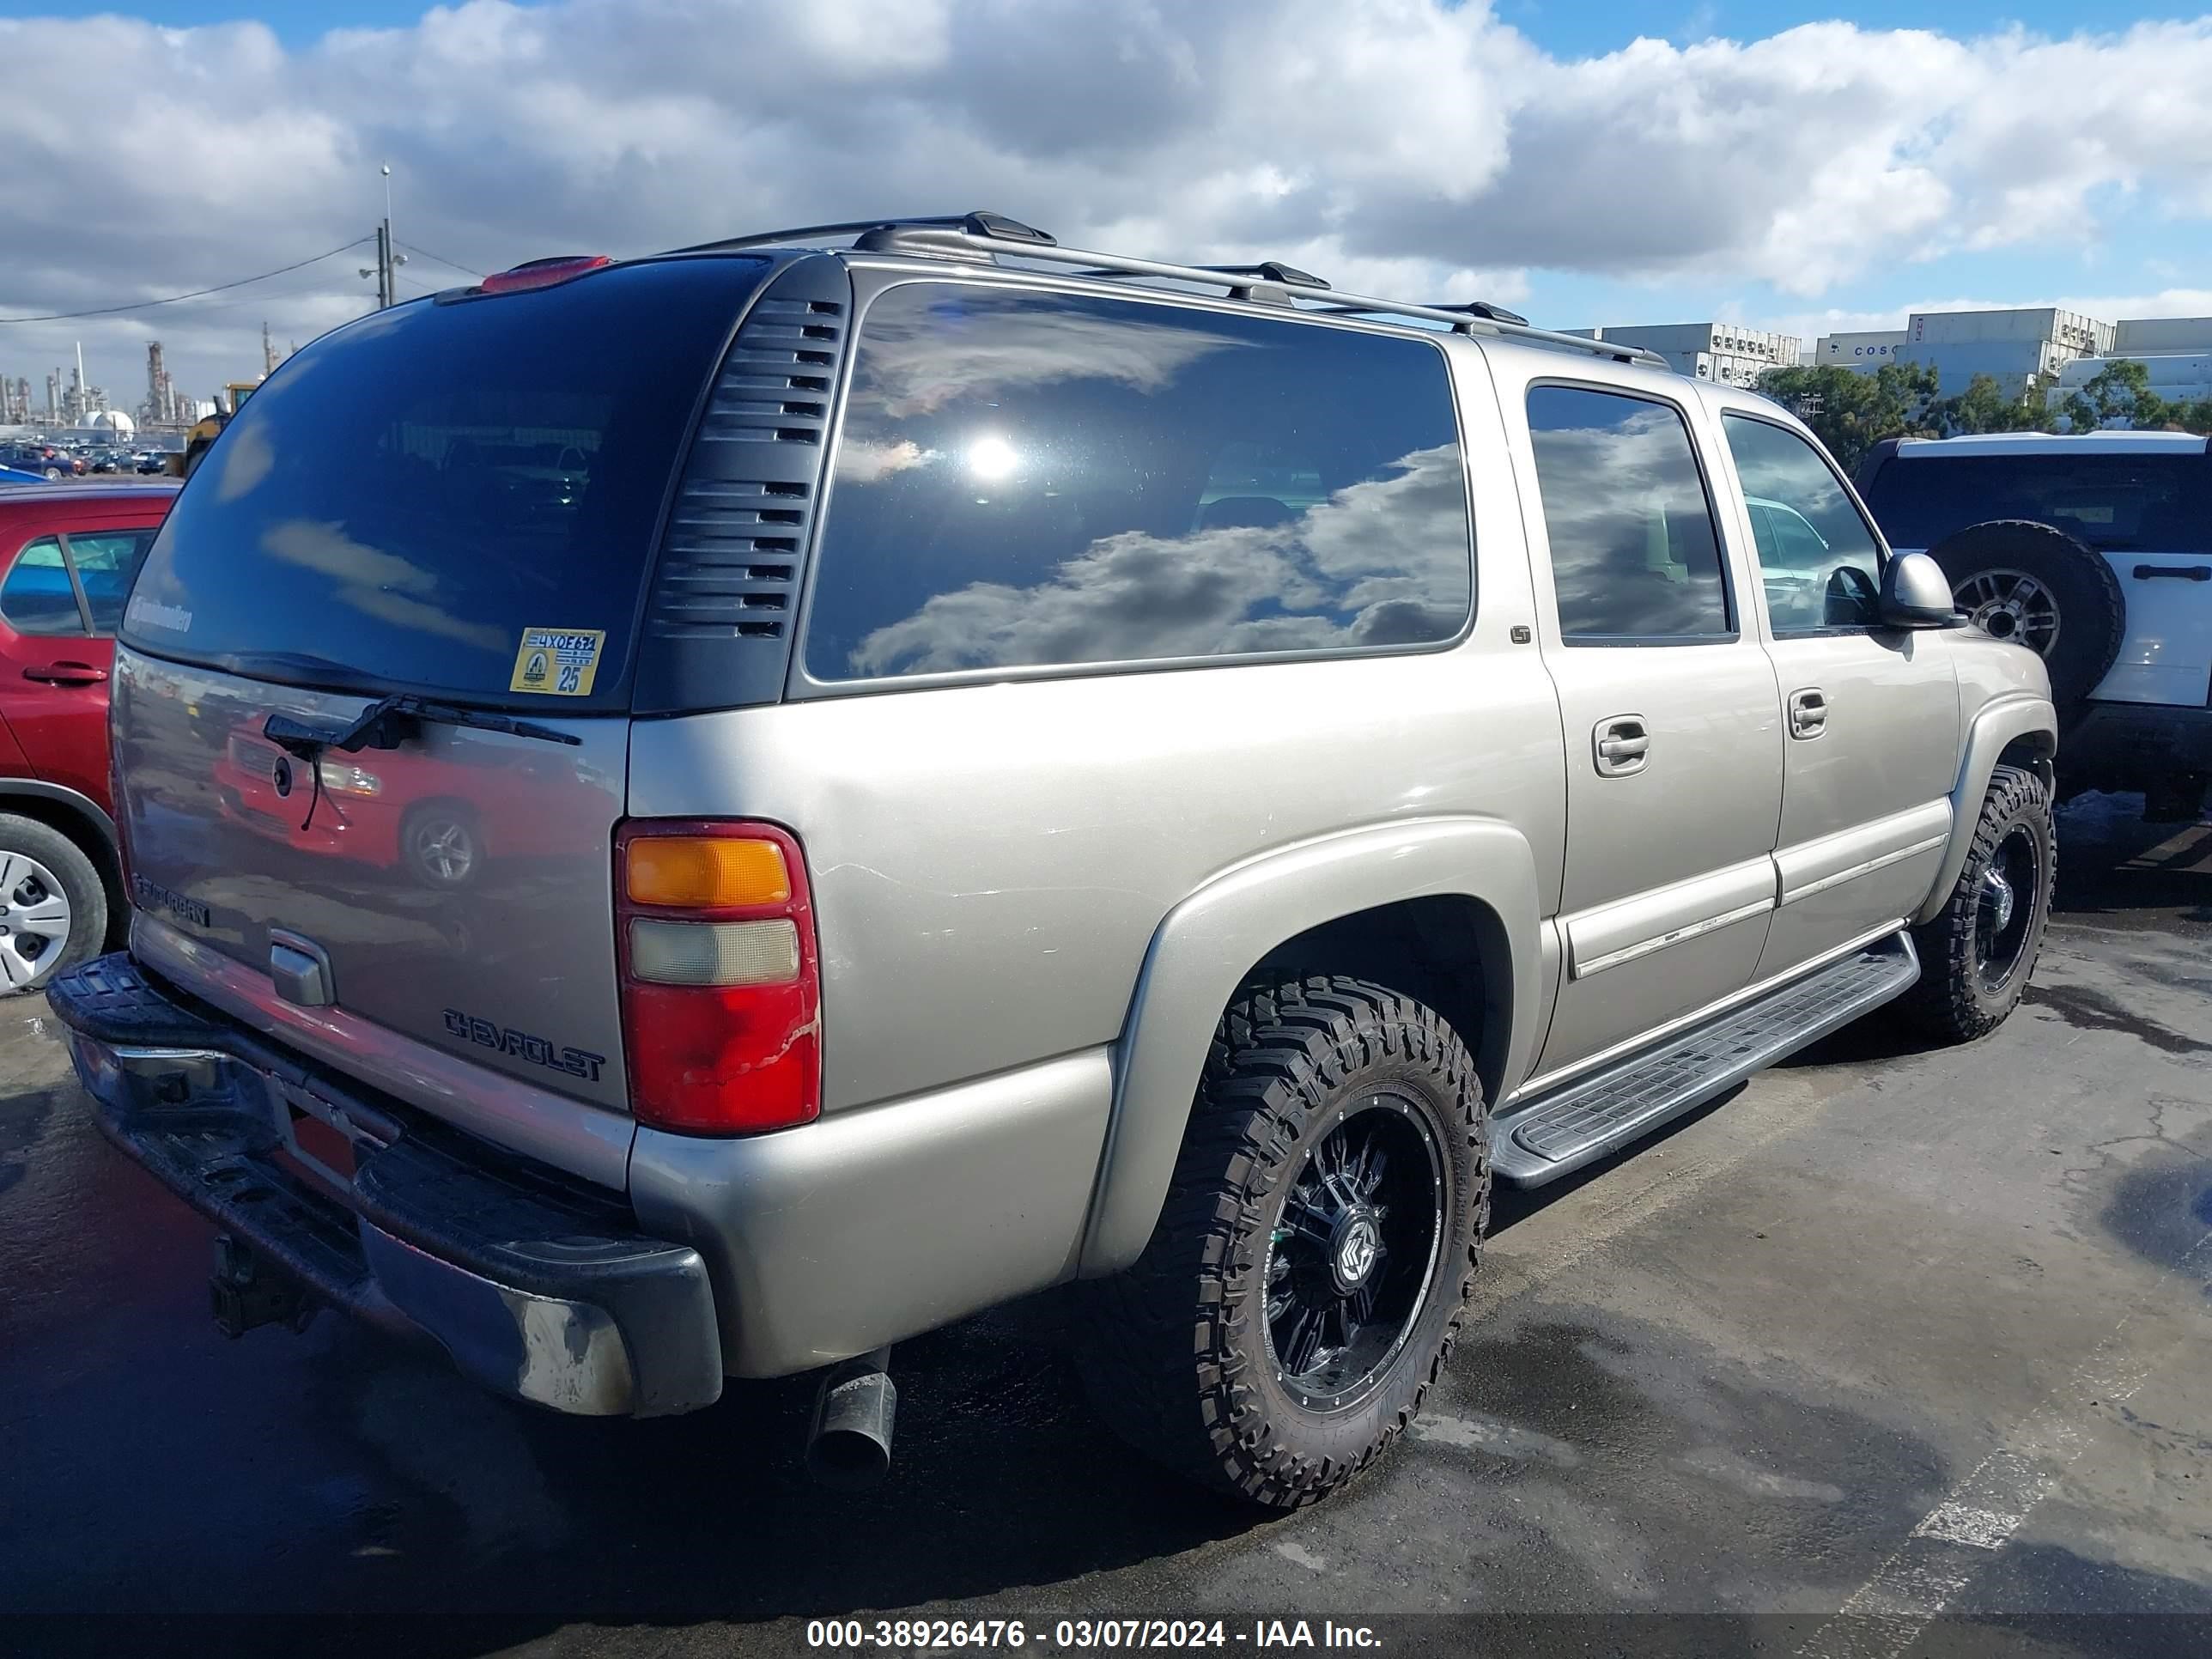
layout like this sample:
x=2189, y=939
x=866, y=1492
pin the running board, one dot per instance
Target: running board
x=1584, y=1119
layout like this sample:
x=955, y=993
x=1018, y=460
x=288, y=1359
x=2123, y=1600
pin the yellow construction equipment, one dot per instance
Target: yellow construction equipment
x=203, y=433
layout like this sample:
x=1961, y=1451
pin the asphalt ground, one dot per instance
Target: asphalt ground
x=1891, y=1351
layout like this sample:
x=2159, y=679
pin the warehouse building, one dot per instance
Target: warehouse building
x=2176, y=351
x=2010, y=346
x=1722, y=352
x=1868, y=348
x=2155, y=336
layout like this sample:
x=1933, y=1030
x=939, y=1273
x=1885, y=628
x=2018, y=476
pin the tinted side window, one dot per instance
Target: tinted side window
x=2117, y=503
x=1634, y=554
x=1818, y=561
x=106, y=560
x=1033, y=478
x=37, y=597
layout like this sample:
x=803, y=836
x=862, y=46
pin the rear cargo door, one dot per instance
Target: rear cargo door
x=458, y=502
x=2142, y=504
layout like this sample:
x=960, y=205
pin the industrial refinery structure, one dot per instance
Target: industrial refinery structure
x=73, y=403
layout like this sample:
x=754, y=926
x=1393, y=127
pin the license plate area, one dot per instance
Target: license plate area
x=322, y=1139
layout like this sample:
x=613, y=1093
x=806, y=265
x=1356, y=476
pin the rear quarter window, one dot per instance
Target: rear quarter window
x=1029, y=479
x=107, y=560
x=36, y=596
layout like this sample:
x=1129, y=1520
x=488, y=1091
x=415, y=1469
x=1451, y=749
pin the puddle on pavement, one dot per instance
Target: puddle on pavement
x=1569, y=1431
x=2105, y=1609
x=2162, y=1208
x=23, y=1120
x=2087, y=1009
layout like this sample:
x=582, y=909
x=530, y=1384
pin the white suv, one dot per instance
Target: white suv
x=2096, y=550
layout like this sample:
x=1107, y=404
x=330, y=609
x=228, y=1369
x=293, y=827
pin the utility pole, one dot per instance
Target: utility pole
x=391, y=263
x=388, y=259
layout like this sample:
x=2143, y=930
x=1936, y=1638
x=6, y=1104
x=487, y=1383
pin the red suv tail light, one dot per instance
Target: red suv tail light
x=543, y=273
x=720, y=985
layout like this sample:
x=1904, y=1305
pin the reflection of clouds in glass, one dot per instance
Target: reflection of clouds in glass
x=247, y=459
x=375, y=583
x=1382, y=562
x=1608, y=494
x=1780, y=466
x=367, y=326
x=1393, y=538
x=907, y=369
x=859, y=461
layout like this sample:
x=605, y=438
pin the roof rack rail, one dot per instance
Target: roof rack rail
x=987, y=235
x=943, y=240
x=1272, y=286
x=1271, y=270
x=980, y=222
x=1496, y=314
x=1482, y=308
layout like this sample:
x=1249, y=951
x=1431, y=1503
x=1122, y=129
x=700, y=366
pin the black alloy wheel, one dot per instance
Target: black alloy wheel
x=1351, y=1256
x=2011, y=883
x=1977, y=951
x=1304, y=1286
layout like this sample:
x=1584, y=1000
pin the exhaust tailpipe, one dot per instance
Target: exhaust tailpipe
x=848, y=1449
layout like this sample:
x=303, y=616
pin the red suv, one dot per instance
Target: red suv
x=68, y=553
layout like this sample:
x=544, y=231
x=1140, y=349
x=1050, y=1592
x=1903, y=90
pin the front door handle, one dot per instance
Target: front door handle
x=65, y=673
x=1809, y=713
x=1622, y=745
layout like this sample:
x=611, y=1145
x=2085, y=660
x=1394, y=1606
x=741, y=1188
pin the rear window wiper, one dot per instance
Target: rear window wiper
x=387, y=722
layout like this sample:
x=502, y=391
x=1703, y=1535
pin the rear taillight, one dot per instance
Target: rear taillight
x=721, y=992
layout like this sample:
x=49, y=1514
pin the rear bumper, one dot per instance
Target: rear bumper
x=2122, y=745
x=535, y=1286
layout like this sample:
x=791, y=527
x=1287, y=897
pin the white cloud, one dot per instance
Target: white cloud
x=1389, y=144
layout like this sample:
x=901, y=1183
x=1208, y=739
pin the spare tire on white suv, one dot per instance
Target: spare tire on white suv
x=2039, y=587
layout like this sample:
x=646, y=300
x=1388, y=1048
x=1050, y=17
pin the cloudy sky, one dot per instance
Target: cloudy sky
x=1586, y=160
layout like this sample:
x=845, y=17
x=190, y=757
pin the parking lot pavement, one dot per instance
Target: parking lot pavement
x=1891, y=1351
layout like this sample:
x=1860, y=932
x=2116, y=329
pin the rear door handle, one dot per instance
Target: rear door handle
x=1808, y=712
x=1620, y=745
x=65, y=673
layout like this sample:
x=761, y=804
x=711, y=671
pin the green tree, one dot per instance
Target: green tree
x=2192, y=417
x=1850, y=412
x=1983, y=407
x=2120, y=394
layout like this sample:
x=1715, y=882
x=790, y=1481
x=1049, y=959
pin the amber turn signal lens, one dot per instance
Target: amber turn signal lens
x=705, y=873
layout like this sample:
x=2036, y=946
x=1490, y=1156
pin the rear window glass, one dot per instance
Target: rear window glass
x=402, y=500
x=1032, y=479
x=2128, y=503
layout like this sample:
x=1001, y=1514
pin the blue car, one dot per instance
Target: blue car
x=15, y=475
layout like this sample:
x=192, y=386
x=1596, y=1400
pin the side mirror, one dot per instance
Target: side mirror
x=1916, y=593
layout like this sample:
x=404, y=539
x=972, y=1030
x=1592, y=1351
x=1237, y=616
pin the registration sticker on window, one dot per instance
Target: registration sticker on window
x=557, y=662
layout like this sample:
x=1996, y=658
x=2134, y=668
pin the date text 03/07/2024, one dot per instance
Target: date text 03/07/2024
x=946, y=1635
